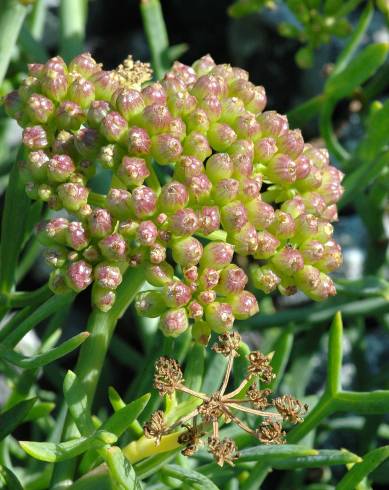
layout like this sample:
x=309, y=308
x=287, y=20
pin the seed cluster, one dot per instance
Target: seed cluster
x=223, y=406
x=241, y=182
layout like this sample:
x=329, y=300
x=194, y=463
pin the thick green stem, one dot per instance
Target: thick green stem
x=12, y=15
x=73, y=20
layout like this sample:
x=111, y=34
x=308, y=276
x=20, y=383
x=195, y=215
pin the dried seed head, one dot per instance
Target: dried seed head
x=191, y=439
x=168, y=376
x=259, y=365
x=224, y=450
x=290, y=409
x=228, y=344
x=212, y=409
x=156, y=427
x=257, y=397
x=270, y=432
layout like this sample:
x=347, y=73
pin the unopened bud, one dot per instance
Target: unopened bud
x=234, y=216
x=107, y=275
x=159, y=274
x=174, y=322
x=267, y=245
x=209, y=219
x=165, y=149
x=217, y=255
x=288, y=261
x=35, y=138
x=114, y=247
x=103, y=298
x=146, y=233
x=219, y=316
x=73, y=196
x=196, y=145
x=244, y=305
x=78, y=275
x=283, y=225
x=245, y=241
x=143, y=202
x=187, y=251
x=174, y=196
x=184, y=222
x=264, y=278
x=119, y=203
x=176, y=294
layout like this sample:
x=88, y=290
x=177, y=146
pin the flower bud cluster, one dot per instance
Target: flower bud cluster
x=242, y=182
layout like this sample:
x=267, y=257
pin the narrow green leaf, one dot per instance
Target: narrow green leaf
x=115, y=399
x=335, y=355
x=360, y=69
x=270, y=454
x=73, y=20
x=11, y=418
x=123, y=418
x=282, y=348
x=214, y=373
x=368, y=286
x=45, y=358
x=77, y=402
x=370, y=462
x=10, y=478
x=95, y=479
x=194, y=370
x=326, y=457
x=174, y=52
x=40, y=409
x=53, y=453
x=122, y=473
x=189, y=477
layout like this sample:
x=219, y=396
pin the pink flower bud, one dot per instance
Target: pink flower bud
x=219, y=316
x=191, y=274
x=159, y=274
x=312, y=251
x=217, y=255
x=181, y=103
x=307, y=279
x=199, y=189
x=232, y=280
x=165, y=148
x=29, y=86
x=36, y=70
x=73, y=196
x=184, y=72
x=69, y=116
x=324, y=231
x=139, y=142
x=147, y=233
x=113, y=127
x=174, y=322
x=176, y=294
x=244, y=305
x=221, y=136
x=330, y=213
x=208, y=278
x=84, y=64
x=150, y=304
x=234, y=216
x=119, y=203
x=53, y=230
x=143, y=202
x=195, y=310
x=219, y=166
x=54, y=85
x=283, y=225
x=174, y=196
x=187, y=167
x=212, y=107
x=39, y=108
x=76, y=236
x=187, y=251
x=281, y=170
x=173, y=84
x=272, y=124
x=295, y=207
x=260, y=213
x=206, y=297
x=97, y=112
x=177, y=128
x=267, y=245
x=306, y=226
x=311, y=182
x=245, y=241
x=332, y=257
x=323, y=290
x=259, y=100
x=35, y=138
x=207, y=85
x=60, y=168
x=198, y=121
x=184, y=222
x=113, y=247
x=37, y=165
x=264, y=278
x=319, y=156
x=249, y=188
x=107, y=275
x=209, y=219
x=102, y=298
x=133, y=171
x=196, y=145
x=246, y=126
x=314, y=203
x=243, y=166
x=264, y=149
x=225, y=190
x=105, y=83
x=78, y=275
x=288, y=261
x=154, y=94
x=203, y=65
x=82, y=92
x=303, y=167
x=57, y=64
x=156, y=118
x=157, y=253
x=242, y=148
x=129, y=103
x=291, y=142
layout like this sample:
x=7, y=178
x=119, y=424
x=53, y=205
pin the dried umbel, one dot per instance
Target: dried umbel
x=224, y=406
x=242, y=183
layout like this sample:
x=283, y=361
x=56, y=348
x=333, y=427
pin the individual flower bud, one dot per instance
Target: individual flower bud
x=177, y=128
x=69, y=116
x=57, y=64
x=181, y=103
x=209, y=219
x=73, y=196
x=102, y=298
x=232, y=280
x=78, y=275
x=203, y=65
x=159, y=274
x=195, y=310
x=44, y=192
x=184, y=222
x=267, y=245
x=129, y=103
x=176, y=294
x=128, y=228
x=306, y=226
x=174, y=196
x=187, y=167
x=283, y=225
x=198, y=121
x=99, y=223
x=217, y=255
x=35, y=138
x=184, y=72
x=191, y=274
x=53, y=230
x=37, y=165
x=172, y=84
x=288, y=261
x=107, y=275
x=87, y=142
x=150, y=304
x=187, y=251
x=319, y=156
x=154, y=94
x=97, y=112
x=219, y=166
x=208, y=278
x=82, y=92
x=287, y=289
x=206, y=297
x=221, y=136
x=260, y=213
x=314, y=203
x=13, y=105
x=243, y=89
x=232, y=108
x=113, y=247
x=307, y=279
x=264, y=149
x=249, y=188
x=84, y=64
x=272, y=124
x=225, y=190
x=138, y=142
x=91, y=254
x=119, y=203
x=332, y=257
x=281, y=170
x=113, y=127
x=199, y=189
x=60, y=168
x=55, y=256
x=324, y=231
x=156, y=118
x=324, y=289
x=246, y=126
x=165, y=148
x=133, y=171
x=295, y=207
x=330, y=213
x=234, y=216
x=219, y=316
x=196, y=145
x=291, y=142
x=207, y=85
x=312, y=251
x=243, y=166
x=312, y=181
x=212, y=107
x=157, y=253
x=76, y=236
x=105, y=84
x=29, y=86
x=54, y=85
x=244, y=305
x=303, y=167
x=258, y=101
x=245, y=241
x=63, y=144
x=242, y=148
x=39, y=108
x=57, y=282
x=36, y=70
x=264, y=278
x=147, y=233
x=174, y=322
x=143, y=202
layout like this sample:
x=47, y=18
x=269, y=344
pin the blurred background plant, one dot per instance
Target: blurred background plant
x=339, y=100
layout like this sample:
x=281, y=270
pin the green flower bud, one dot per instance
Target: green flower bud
x=244, y=305
x=288, y=261
x=150, y=304
x=174, y=196
x=129, y=103
x=114, y=127
x=283, y=225
x=156, y=118
x=60, y=168
x=114, y=247
x=69, y=116
x=133, y=171
x=234, y=216
x=159, y=274
x=174, y=322
x=118, y=203
x=264, y=278
x=55, y=256
x=103, y=298
x=197, y=121
x=219, y=317
x=57, y=282
x=245, y=241
x=82, y=92
x=73, y=196
x=187, y=251
x=217, y=255
x=219, y=166
x=264, y=149
x=37, y=162
x=221, y=136
x=201, y=332
x=232, y=280
x=267, y=245
x=54, y=85
x=85, y=65
x=196, y=145
x=165, y=149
